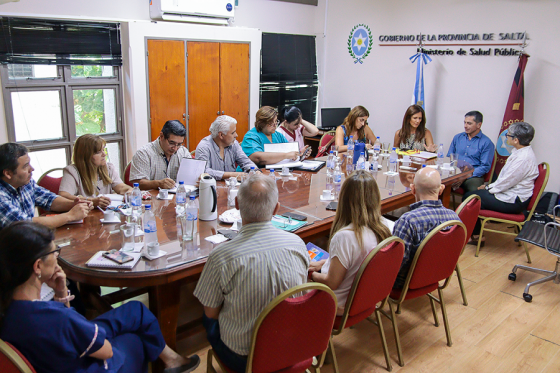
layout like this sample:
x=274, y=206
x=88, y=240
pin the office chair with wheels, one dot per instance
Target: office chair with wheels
x=546, y=236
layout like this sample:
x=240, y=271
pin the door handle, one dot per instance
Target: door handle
x=222, y=112
x=218, y=113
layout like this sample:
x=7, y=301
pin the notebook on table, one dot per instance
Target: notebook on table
x=98, y=261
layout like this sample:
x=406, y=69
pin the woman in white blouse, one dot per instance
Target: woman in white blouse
x=294, y=127
x=91, y=175
x=357, y=228
x=513, y=189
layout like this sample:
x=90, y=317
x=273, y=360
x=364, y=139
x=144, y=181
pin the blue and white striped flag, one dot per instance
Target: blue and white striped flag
x=421, y=59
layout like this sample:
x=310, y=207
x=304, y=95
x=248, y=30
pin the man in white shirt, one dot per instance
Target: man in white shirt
x=513, y=189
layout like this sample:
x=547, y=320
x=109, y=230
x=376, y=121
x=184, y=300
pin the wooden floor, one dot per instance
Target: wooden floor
x=497, y=332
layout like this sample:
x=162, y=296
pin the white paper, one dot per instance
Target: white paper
x=283, y=147
x=424, y=155
x=311, y=165
x=190, y=170
x=284, y=163
x=114, y=197
x=217, y=238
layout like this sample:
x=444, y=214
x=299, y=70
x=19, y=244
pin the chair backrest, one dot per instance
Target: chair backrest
x=538, y=189
x=126, y=175
x=12, y=361
x=49, y=182
x=292, y=330
x=374, y=280
x=489, y=174
x=468, y=213
x=437, y=256
x=324, y=142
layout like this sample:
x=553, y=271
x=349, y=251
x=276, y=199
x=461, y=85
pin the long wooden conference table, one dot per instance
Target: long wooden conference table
x=164, y=277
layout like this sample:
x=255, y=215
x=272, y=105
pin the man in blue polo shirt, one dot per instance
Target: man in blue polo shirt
x=475, y=148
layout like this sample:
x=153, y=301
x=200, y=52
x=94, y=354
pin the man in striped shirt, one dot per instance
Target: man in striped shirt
x=242, y=276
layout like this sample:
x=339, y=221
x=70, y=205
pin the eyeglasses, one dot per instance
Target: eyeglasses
x=57, y=251
x=174, y=144
x=274, y=124
x=508, y=135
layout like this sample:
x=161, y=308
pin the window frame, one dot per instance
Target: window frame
x=65, y=84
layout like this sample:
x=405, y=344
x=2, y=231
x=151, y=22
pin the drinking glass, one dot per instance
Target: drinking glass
x=128, y=234
x=334, y=149
x=453, y=158
x=386, y=146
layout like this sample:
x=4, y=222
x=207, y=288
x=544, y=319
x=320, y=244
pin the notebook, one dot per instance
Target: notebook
x=98, y=261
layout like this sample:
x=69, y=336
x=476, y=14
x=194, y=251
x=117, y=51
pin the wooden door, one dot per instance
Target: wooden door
x=166, y=79
x=234, y=84
x=203, y=78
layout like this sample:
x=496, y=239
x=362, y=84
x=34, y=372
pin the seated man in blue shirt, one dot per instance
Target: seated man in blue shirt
x=424, y=215
x=20, y=194
x=475, y=148
x=264, y=132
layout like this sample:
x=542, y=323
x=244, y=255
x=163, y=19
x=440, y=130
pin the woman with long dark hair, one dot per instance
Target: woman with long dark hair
x=53, y=336
x=413, y=134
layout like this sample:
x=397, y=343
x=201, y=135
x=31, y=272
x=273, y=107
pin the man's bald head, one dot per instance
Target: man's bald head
x=427, y=184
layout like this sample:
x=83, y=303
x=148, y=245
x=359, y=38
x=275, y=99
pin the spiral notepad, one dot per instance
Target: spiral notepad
x=98, y=261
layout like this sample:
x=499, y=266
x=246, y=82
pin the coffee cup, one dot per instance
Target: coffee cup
x=447, y=165
x=163, y=193
x=109, y=215
x=153, y=249
x=406, y=160
x=327, y=194
x=285, y=171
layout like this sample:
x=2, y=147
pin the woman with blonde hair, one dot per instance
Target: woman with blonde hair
x=91, y=175
x=357, y=228
x=413, y=134
x=355, y=124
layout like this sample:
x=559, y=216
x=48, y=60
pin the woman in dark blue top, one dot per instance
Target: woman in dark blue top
x=54, y=337
x=355, y=125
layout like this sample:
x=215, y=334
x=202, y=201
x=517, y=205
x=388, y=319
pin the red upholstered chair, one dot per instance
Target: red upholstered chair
x=372, y=285
x=12, y=361
x=49, y=182
x=126, y=175
x=487, y=177
x=326, y=141
x=516, y=219
x=468, y=213
x=289, y=332
x=434, y=261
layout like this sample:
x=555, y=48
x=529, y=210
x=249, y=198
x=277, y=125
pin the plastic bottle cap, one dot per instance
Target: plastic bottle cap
x=331, y=152
x=363, y=153
x=148, y=207
x=181, y=182
x=377, y=136
x=423, y=165
x=394, y=148
x=252, y=167
x=192, y=197
x=136, y=185
x=272, y=170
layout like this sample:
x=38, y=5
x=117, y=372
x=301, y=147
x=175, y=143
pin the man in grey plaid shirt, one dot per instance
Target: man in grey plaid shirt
x=424, y=215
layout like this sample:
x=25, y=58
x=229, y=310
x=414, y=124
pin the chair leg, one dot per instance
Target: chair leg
x=333, y=354
x=396, y=331
x=209, y=367
x=526, y=251
x=460, y=278
x=383, y=340
x=480, y=237
x=540, y=281
x=445, y=320
x=436, y=321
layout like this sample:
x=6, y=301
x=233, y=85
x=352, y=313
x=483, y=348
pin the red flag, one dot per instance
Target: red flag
x=514, y=113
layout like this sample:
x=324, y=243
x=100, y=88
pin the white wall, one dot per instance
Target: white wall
x=454, y=84
x=251, y=18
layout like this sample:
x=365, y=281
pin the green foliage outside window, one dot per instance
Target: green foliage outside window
x=89, y=110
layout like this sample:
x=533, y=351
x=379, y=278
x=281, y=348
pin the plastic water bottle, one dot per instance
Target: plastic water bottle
x=272, y=174
x=252, y=172
x=391, y=184
x=351, y=149
x=393, y=160
x=377, y=146
x=181, y=196
x=374, y=167
x=337, y=178
x=150, y=227
x=440, y=155
x=192, y=220
x=136, y=200
x=361, y=164
x=330, y=163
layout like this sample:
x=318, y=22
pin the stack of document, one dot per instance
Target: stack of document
x=286, y=224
